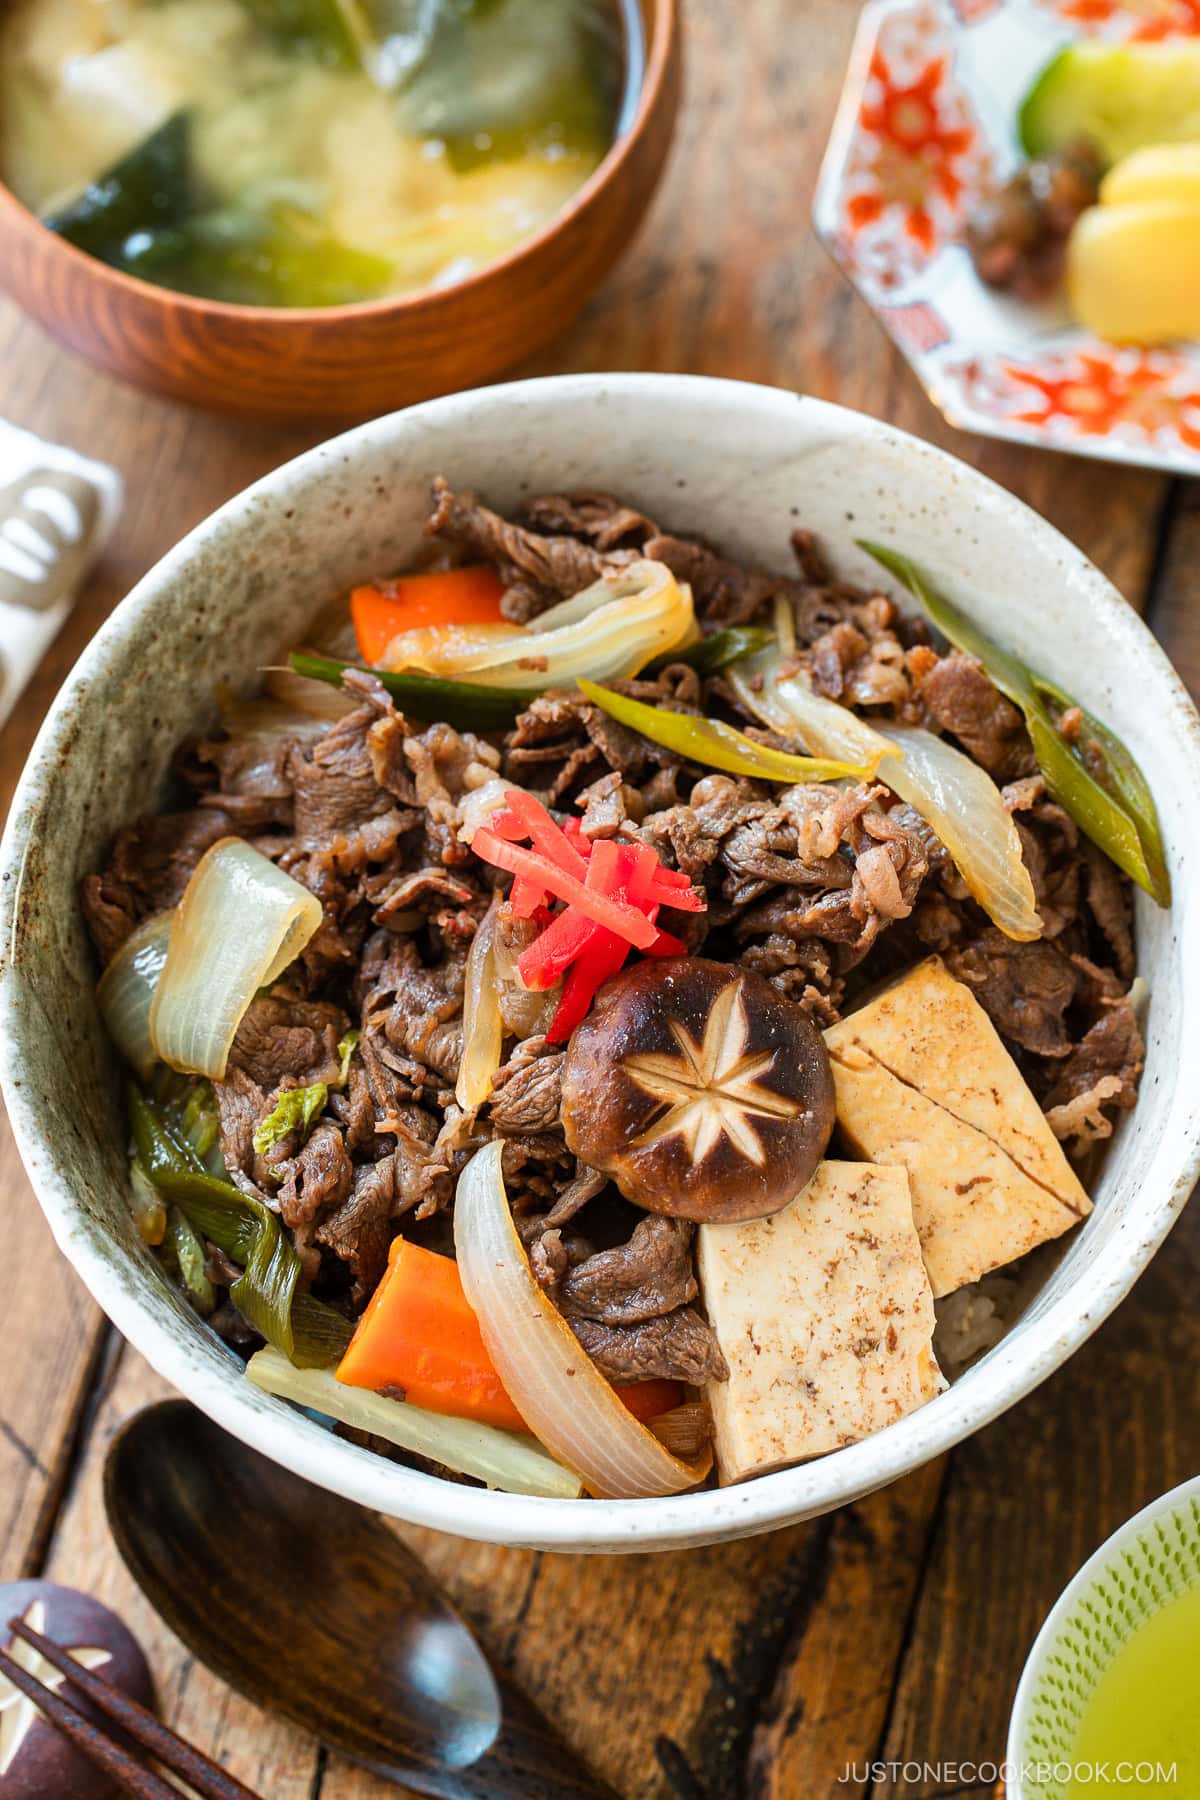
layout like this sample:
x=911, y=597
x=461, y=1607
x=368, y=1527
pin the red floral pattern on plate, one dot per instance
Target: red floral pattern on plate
x=1140, y=396
x=1138, y=21
x=915, y=153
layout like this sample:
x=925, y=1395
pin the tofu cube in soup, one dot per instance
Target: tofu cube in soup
x=825, y=1315
x=923, y=1080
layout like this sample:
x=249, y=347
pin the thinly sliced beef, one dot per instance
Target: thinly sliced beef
x=681, y=1346
x=1025, y=989
x=527, y=1092
x=359, y=1230
x=334, y=782
x=643, y=1279
x=292, y=1041
x=150, y=865
x=417, y=1008
x=1113, y=1047
x=596, y=518
x=960, y=699
x=318, y=1178
x=539, y=567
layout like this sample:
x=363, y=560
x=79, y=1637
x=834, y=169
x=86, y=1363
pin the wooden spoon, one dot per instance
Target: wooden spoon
x=315, y=1610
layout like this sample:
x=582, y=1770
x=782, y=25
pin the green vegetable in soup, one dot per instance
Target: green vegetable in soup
x=282, y=257
x=333, y=32
x=147, y=191
x=1092, y=774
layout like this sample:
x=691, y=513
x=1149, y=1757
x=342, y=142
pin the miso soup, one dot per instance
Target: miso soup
x=308, y=152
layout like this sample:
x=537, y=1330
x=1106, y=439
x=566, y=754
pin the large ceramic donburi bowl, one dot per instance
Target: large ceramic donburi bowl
x=744, y=465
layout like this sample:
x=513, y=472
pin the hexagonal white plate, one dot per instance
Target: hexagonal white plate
x=927, y=115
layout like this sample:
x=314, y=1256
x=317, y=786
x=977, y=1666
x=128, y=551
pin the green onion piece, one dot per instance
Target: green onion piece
x=346, y=1048
x=467, y=704
x=295, y=1110
x=189, y=1254
x=305, y=1330
x=1113, y=806
x=717, y=745
x=717, y=651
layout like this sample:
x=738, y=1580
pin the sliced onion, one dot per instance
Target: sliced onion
x=126, y=991
x=483, y=1025
x=639, y=613
x=315, y=699
x=240, y=923
x=962, y=804
x=503, y=1459
x=956, y=798
x=553, y=1383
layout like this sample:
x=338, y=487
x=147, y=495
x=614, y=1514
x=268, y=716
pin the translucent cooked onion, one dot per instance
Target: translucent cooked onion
x=608, y=632
x=962, y=804
x=502, y=1459
x=483, y=1025
x=314, y=699
x=552, y=1381
x=477, y=807
x=240, y=923
x=126, y=991
x=956, y=798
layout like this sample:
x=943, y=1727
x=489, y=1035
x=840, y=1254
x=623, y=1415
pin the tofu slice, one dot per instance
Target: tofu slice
x=825, y=1314
x=923, y=1080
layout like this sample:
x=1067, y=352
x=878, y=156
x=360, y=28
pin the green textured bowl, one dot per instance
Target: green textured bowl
x=1147, y=1562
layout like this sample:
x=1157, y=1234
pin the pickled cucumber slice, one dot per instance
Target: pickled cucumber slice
x=1120, y=96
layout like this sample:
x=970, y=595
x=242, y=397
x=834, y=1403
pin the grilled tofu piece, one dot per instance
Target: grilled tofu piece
x=923, y=1080
x=825, y=1315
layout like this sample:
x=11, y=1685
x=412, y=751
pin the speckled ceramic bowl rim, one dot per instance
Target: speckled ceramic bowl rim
x=1046, y=1641
x=1016, y=1366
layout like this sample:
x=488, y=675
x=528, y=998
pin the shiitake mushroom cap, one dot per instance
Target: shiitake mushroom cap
x=702, y=1091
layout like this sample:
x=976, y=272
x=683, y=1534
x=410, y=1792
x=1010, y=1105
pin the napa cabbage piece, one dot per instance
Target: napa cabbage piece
x=507, y=1460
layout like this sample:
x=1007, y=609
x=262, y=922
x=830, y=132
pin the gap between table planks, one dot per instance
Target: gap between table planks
x=896, y=1628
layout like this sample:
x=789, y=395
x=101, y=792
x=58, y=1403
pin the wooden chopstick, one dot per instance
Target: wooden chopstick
x=88, y=1737
x=209, y=1780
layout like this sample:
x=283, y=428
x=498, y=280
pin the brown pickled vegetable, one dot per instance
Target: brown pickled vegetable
x=1017, y=233
x=700, y=1089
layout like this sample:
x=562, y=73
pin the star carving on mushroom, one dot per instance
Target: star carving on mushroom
x=18, y=1712
x=711, y=1087
x=702, y=1091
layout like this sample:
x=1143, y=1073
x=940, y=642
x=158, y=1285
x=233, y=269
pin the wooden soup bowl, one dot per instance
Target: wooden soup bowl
x=369, y=358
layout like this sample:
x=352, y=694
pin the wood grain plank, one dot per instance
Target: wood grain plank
x=738, y=1670
x=273, y=1758
x=1031, y=1497
x=728, y=278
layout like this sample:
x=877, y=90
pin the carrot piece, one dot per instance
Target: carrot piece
x=420, y=1335
x=382, y=609
x=650, y=1399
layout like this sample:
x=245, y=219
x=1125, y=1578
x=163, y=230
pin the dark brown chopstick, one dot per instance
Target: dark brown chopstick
x=88, y=1737
x=182, y=1758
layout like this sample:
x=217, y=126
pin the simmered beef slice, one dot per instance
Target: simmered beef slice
x=415, y=1010
x=1025, y=989
x=527, y=1092
x=595, y=518
x=334, y=781
x=650, y=1275
x=1112, y=1051
x=359, y=1230
x=150, y=865
x=960, y=699
x=539, y=568
x=287, y=1041
x=318, y=1178
x=680, y=1346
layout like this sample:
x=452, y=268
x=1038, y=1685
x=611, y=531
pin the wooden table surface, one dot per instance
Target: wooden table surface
x=891, y=1633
